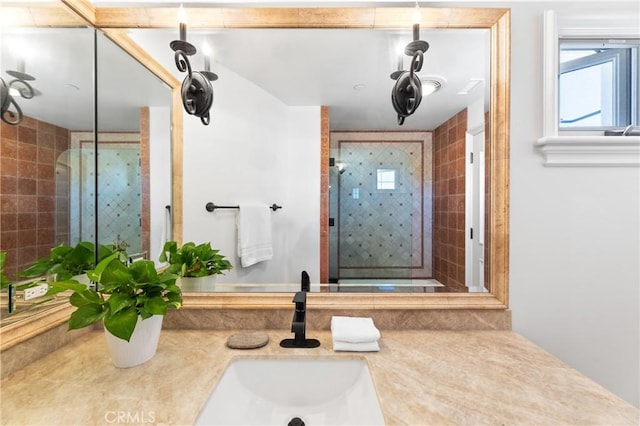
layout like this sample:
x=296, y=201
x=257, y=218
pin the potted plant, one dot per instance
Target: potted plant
x=195, y=264
x=131, y=300
x=66, y=262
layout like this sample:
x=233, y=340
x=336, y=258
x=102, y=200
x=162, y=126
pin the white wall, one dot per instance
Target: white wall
x=302, y=210
x=575, y=235
x=255, y=150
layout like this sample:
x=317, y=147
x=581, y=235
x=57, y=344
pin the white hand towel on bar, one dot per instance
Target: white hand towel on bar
x=354, y=329
x=356, y=347
x=254, y=234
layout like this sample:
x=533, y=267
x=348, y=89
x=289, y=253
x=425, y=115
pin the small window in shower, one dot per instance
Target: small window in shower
x=386, y=179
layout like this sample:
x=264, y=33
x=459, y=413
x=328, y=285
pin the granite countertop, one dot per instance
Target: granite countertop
x=422, y=377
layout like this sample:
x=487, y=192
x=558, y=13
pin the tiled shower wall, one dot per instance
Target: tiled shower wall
x=449, y=202
x=381, y=233
x=119, y=180
x=29, y=227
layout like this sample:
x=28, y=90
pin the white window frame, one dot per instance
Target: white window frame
x=620, y=77
x=381, y=184
x=567, y=149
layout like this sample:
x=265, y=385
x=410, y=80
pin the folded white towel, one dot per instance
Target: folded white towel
x=356, y=347
x=354, y=329
x=254, y=234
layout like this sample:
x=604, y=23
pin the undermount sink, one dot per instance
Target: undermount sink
x=326, y=391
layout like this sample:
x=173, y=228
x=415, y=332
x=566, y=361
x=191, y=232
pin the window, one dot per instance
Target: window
x=586, y=56
x=598, y=84
x=386, y=179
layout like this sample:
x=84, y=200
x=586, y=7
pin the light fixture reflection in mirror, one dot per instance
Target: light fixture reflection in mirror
x=197, y=92
x=407, y=91
x=19, y=86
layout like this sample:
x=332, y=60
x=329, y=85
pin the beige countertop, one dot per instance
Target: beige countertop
x=422, y=378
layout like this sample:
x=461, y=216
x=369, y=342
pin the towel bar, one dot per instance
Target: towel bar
x=211, y=207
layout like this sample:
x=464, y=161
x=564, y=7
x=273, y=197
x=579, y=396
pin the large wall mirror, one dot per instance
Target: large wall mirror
x=410, y=235
x=89, y=96
x=336, y=82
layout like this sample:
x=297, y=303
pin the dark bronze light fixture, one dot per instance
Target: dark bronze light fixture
x=197, y=92
x=19, y=86
x=407, y=92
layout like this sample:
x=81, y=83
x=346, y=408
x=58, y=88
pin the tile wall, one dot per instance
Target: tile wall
x=29, y=226
x=449, y=202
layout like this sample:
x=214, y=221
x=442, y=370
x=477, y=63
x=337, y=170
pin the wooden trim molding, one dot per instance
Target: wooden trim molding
x=324, y=193
x=83, y=8
x=176, y=163
x=34, y=325
x=499, y=165
x=236, y=17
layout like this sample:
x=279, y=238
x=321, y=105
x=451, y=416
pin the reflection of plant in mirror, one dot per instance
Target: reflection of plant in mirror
x=66, y=261
x=134, y=290
x=193, y=260
x=4, y=281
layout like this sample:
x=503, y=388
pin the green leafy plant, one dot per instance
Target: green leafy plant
x=124, y=292
x=66, y=261
x=4, y=281
x=193, y=260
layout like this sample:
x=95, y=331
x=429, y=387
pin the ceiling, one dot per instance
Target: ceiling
x=304, y=67
x=61, y=61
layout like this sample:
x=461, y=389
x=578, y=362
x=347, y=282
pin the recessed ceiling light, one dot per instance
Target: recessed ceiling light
x=431, y=83
x=470, y=86
x=359, y=86
x=430, y=86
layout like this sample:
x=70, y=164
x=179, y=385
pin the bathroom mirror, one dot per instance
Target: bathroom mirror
x=37, y=153
x=134, y=145
x=48, y=160
x=486, y=37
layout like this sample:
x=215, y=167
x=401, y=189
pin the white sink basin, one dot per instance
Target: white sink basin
x=325, y=391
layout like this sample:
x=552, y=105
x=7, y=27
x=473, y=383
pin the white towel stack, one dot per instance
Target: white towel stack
x=355, y=334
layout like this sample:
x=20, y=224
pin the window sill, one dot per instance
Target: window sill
x=590, y=151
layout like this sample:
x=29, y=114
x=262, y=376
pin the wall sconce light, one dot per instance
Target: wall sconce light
x=197, y=92
x=8, y=92
x=407, y=91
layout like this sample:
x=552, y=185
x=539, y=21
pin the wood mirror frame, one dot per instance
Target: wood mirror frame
x=114, y=22
x=496, y=20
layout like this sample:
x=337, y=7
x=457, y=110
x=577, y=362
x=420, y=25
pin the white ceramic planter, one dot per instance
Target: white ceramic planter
x=140, y=348
x=198, y=284
x=82, y=279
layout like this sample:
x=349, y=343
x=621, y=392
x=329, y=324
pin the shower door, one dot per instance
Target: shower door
x=381, y=195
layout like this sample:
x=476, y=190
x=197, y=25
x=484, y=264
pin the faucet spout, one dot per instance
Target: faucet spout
x=305, y=282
